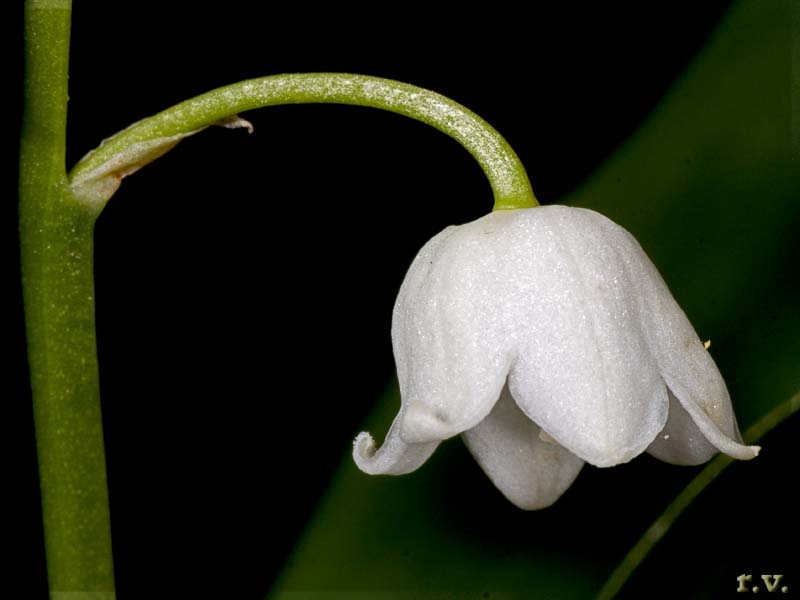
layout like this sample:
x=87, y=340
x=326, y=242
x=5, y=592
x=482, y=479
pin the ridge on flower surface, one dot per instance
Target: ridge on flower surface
x=548, y=339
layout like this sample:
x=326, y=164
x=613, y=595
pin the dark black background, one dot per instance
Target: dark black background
x=245, y=283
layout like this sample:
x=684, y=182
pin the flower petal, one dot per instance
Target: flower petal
x=685, y=364
x=681, y=442
x=584, y=371
x=714, y=416
x=394, y=457
x=531, y=472
x=451, y=344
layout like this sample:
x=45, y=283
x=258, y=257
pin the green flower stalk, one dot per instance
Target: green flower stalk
x=95, y=178
x=57, y=216
x=57, y=213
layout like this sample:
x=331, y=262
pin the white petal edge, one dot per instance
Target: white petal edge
x=513, y=452
x=451, y=342
x=681, y=442
x=685, y=364
x=708, y=427
x=394, y=457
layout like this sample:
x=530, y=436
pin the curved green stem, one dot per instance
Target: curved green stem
x=662, y=524
x=57, y=216
x=97, y=175
x=56, y=251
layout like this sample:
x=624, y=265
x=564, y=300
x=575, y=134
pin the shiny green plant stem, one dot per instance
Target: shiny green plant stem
x=499, y=162
x=56, y=251
x=714, y=469
x=57, y=217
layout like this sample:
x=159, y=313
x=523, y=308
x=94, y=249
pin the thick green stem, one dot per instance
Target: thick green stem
x=95, y=178
x=57, y=216
x=56, y=234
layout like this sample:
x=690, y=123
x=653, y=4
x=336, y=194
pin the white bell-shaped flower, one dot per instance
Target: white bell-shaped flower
x=548, y=339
